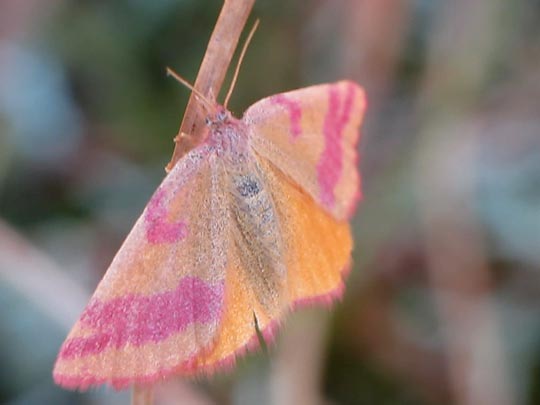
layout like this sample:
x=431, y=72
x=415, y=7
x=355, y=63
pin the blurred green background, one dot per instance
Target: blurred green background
x=443, y=302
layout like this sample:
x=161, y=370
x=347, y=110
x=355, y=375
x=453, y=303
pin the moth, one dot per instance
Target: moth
x=251, y=223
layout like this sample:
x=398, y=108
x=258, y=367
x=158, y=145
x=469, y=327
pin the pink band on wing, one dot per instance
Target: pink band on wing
x=330, y=165
x=158, y=230
x=295, y=113
x=141, y=319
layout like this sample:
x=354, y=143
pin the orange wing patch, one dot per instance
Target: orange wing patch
x=318, y=246
x=318, y=250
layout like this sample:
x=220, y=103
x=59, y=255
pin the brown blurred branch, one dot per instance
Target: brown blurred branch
x=142, y=395
x=171, y=391
x=458, y=268
x=297, y=369
x=217, y=58
x=374, y=37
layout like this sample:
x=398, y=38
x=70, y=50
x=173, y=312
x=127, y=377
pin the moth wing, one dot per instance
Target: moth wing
x=160, y=302
x=311, y=135
x=316, y=256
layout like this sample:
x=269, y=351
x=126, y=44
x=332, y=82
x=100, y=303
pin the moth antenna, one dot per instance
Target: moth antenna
x=207, y=103
x=240, y=59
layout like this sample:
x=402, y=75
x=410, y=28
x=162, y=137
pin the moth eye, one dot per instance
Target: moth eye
x=248, y=187
x=221, y=115
x=208, y=121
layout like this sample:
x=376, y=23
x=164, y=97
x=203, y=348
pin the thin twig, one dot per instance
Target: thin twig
x=219, y=53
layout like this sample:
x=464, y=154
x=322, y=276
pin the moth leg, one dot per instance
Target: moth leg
x=260, y=336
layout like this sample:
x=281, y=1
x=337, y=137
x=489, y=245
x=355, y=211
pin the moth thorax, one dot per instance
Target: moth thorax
x=229, y=138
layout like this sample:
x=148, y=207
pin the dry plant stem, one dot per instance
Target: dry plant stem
x=142, y=395
x=219, y=53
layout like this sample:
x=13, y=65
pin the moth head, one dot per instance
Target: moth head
x=220, y=117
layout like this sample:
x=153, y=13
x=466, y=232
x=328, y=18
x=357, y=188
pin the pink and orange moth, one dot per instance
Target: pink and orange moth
x=251, y=223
